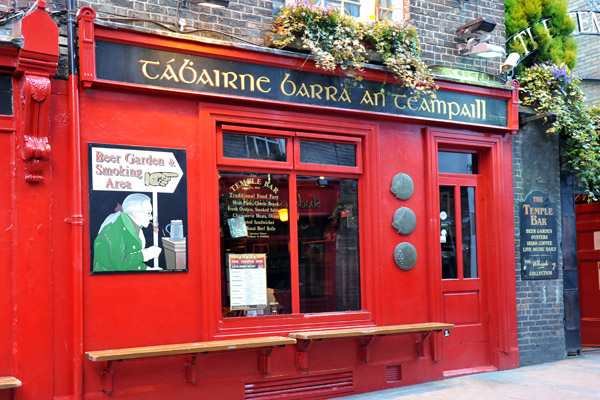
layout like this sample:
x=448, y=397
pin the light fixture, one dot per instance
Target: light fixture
x=212, y=3
x=283, y=214
x=476, y=36
x=322, y=182
x=475, y=28
x=483, y=50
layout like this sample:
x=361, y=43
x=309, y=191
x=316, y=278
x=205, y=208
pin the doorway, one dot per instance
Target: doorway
x=464, y=300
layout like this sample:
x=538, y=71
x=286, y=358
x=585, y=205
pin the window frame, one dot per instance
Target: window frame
x=228, y=326
x=252, y=131
x=366, y=9
x=325, y=168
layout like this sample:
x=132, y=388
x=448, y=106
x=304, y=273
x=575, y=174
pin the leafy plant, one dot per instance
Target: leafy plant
x=398, y=45
x=338, y=40
x=553, y=88
x=554, y=44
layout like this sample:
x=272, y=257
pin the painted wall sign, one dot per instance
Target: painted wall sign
x=539, y=238
x=144, y=66
x=253, y=206
x=520, y=37
x=6, y=94
x=587, y=22
x=138, y=209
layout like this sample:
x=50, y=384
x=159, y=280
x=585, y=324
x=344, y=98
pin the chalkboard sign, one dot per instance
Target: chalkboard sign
x=539, y=243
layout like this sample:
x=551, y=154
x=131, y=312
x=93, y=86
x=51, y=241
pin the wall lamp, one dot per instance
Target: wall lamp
x=212, y=3
x=476, y=35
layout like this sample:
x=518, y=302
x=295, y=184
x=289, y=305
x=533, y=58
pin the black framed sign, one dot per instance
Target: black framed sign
x=126, y=63
x=539, y=237
x=137, y=209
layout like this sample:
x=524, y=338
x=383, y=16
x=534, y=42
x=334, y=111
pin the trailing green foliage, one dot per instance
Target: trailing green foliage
x=336, y=39
x=553, y=45
x=553, y=88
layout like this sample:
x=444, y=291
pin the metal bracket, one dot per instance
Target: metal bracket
x=264, y=361
x=302, y=353
x=421, y=344
x=191, y=370
x=364, y=345
x=107, y=377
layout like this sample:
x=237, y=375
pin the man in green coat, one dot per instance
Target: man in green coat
x=120, y=244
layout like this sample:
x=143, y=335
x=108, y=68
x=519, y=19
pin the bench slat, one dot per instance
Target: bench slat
x=9, y=382
x=187, y=348
x=372, y=331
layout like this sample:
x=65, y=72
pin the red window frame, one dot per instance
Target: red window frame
x=287, y=322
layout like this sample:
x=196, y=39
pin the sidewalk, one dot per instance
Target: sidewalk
x=570, y=379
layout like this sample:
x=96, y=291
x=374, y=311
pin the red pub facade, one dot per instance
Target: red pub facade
x=294, y=237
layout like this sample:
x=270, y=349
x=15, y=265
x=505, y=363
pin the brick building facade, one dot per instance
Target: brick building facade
x=390, y=280
x=586, y=34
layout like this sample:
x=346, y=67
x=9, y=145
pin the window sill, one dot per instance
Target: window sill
x=284, y=324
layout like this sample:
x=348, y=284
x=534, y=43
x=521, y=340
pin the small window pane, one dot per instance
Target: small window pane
x=457, y=163
x=448, y=232
x=254, y=221
x=328, y=244
x=469, y=238
x=254, y=147
x=324, y=153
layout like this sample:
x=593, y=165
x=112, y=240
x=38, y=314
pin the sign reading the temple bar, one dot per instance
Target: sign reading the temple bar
x=145, y=66
x=539, y=243
x=138, y=195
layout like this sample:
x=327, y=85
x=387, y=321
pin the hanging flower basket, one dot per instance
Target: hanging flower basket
x=338, y=40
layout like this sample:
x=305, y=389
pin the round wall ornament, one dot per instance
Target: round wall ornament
x=404, y=221
x=405, y=256
x=402, y=186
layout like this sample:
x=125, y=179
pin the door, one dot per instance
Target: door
x=464, y=300
x=588, y=267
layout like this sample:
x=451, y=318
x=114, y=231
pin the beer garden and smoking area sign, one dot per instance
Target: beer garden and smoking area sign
x=137, y=195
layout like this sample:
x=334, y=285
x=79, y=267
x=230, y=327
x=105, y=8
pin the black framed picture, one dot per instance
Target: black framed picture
x=137, y=209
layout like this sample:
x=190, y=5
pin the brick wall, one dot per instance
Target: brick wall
x=540, y=304
x=437, y=21
x=247, y=22
x=588, y=67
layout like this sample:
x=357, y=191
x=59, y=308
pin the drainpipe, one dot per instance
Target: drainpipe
x=75, y=204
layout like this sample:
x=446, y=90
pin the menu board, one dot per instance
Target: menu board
x=254, y=206
x=247, y=281
x=539, y=242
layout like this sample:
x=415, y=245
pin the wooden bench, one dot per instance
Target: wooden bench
x=367, y=335
x=267, y=344
x=9, y=382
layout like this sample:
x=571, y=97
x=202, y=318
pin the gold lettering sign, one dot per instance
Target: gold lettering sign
x=232, y=78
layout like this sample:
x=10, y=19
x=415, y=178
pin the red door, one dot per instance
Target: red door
x=588, y=267
x=463, y=296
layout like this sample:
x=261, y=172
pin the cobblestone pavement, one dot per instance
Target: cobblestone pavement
x=573, y=378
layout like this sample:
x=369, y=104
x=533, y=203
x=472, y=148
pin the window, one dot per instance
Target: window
x=363, y=9
x=458, y=235
x=288, y=223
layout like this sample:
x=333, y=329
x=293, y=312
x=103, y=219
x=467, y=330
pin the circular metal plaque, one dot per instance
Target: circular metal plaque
x=405, y=256
x=404, y=220
x=402, y=186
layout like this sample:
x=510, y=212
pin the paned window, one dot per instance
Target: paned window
x=362, y=9
x=288, y=223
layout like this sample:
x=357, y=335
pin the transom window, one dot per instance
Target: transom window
x=289, y=223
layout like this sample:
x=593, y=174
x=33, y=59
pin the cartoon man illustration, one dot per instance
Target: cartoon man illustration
x=120, y=244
